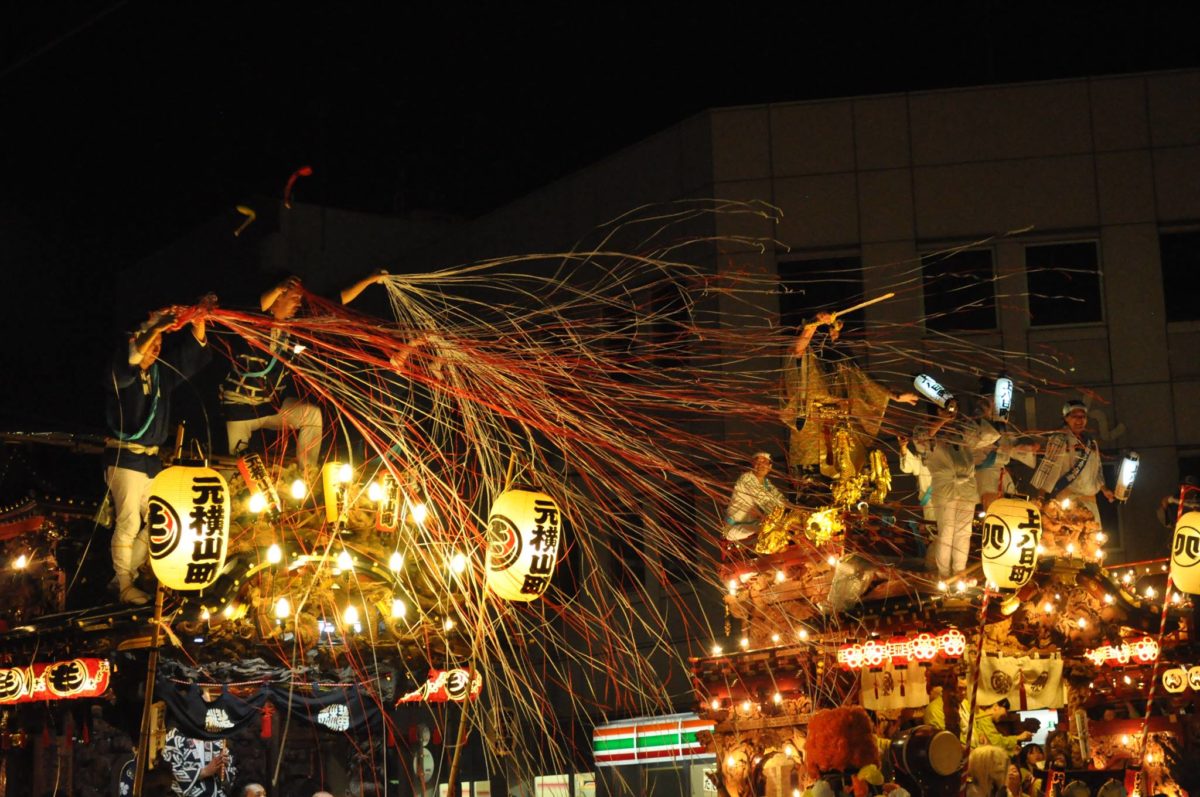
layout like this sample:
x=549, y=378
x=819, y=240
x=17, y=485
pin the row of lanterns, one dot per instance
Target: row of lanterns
x=922, y=648
x=1144, y=651
x=1176, y=679
x=188, y=524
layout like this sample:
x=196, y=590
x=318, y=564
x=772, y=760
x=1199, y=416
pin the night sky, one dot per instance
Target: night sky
x=126, y=124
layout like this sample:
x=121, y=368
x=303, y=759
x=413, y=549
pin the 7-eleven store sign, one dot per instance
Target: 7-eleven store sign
x=650, y=739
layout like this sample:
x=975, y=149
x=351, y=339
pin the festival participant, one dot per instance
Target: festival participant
x=821, y=387
x=254, y=394
x=991, y=463
x=912, y=462
x=1070, y=468
x=140, y=382
x=985, y=731
x=989, y=774
x=1031, y=763
x=754, y=498
x=202, y=768
x=951, y=463
x=253, y=790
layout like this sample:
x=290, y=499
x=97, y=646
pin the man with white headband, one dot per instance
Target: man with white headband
x=1070, y=468
x=754, y=499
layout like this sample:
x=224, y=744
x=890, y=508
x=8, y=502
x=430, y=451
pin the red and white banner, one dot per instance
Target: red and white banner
x=60, y=680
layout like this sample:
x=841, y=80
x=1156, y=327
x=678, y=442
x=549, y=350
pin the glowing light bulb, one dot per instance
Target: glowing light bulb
x=780, y=577
x=942, y=586
x=745, y=642
x=1066, y=503
x=716, y=704
x=257, y=503
x=398, y=609
x=1127, y=680
x=730, y=761
x=1048, y=607
x=1101, y=537
x=204, y=615
x=1041, y=549
x=458, y=563
x=396, y=562
x=375, y=492
x=350, y=616
x=733, y=585
x=298, y=348
x=419, y=512
x=345, y=473
x=1176, y=598
x=21, y=563
x=1100, y=553
x=1125, y=579
x=775, y=638
x=1082, y=622
x=716, y=650
x=283, y=609
x=228, y=611
x=777, y=698
x=1070, y=548
x=789, y=751
x=299, y=489
x=746, y=706
x=802, y=633
x=1108, y=598
x=446, y=626
x=961, y=586
x=1124, y=738
x=344, y=561
x=274, y=554
x=832, y=560
x=1150, y=592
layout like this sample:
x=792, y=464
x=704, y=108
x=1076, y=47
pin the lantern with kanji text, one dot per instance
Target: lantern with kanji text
x=188, y=525
x=524, y=534
x=1012, y=529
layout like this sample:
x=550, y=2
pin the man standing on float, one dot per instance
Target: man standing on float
x=138, y=413
x=1070, y=468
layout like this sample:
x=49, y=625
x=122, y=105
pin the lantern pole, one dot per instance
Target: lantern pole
x=143, y=754
x=987, y=594
x=1184, y=489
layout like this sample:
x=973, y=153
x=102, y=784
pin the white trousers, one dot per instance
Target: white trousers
x=954, y=535
x=130, y=493
x=294, y=414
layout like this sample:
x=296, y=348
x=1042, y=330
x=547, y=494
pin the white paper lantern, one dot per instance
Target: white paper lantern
x=524, y=535
x=931, y=389
x=1175, y=680
x=1185, y=554
x=188, y=524
x=1002, y=398
x=1011, y=531
x=1193, y=678
x=1128, y=472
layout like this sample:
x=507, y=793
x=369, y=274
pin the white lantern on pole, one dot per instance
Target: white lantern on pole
x=1002, y=398
x=931, y=389
x=1185, y=554
x=1128, y=472
x=524, y=535
x=1012, y=529
x=188, y=524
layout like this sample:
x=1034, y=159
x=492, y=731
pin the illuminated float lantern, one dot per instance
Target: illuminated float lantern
x=1145, y=650
x=1012, y=529
x=1002, y=398
x=850, y=656
x=925, y=648
x=1128, y=472
x=874, y=654
x=254, y=472
x=900, y=649
x=953, y=643
x=336, y=478
x=1185, y=554
x=1193, y=677
x=524, y=534
x=1175, y=680
x=188, y=524
x=387, y=516
x=931, y=389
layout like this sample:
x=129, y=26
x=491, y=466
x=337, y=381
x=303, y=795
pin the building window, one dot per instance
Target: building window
x=1180, y=252
x=1064, y=284
x=958, y=290
x=829, y=284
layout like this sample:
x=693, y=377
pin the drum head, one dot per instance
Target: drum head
x=945, y=753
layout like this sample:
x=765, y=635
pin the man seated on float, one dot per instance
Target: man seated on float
x=140, y=382
x=819, y=381
x=254, y=393
x=1071, y=468
x=754, y=499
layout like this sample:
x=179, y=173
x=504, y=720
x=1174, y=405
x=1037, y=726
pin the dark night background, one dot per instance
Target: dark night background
x=126, y=124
